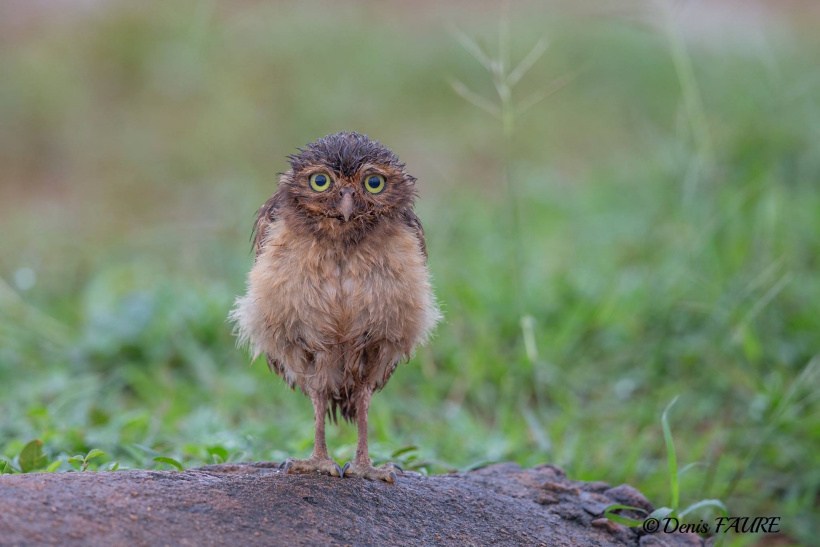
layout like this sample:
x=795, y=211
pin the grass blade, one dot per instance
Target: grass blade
x=689, y=466
x=475, y=99
x=609, y=513
x=552, y=87
x=404, y=450
x=170, y=461
x=473, y=48
x=661, y=513
x=706, y=503
x=672, y=458
x=527, y=62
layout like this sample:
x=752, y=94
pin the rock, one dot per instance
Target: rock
x=255, y=504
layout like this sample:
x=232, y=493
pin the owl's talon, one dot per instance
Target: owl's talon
x=386, y=472
x=313, y=465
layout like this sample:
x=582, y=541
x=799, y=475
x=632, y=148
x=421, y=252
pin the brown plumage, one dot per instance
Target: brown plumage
x=339, y=292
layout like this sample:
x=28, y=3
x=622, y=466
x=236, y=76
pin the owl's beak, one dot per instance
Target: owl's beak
x=346, y=205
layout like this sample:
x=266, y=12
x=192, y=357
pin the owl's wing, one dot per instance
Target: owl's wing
x=266, y=215
x=415, y=224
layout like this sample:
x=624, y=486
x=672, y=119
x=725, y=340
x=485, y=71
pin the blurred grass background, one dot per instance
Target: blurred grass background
x=137, y=141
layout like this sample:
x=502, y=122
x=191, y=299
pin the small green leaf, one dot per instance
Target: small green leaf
x=94, y=453
x=114, y=466
x=610, y=514
x=32, y=457
x=53, y=466
x=75, y=459
x=5, y=467
x=169, y=461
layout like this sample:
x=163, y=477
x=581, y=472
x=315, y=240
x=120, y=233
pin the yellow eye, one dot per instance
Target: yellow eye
x=374, y=184
x=320, y=181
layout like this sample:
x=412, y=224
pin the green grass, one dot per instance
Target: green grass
x=135, y=145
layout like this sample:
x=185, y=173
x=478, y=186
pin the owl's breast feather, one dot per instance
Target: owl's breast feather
x=320, y=294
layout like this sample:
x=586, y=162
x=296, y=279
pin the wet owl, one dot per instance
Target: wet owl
x=339, y=293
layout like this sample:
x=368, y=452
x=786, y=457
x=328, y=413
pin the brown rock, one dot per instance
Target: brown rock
x=255, y=504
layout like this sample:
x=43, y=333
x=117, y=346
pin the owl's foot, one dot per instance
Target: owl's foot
x=313, y=465
x=386, y=472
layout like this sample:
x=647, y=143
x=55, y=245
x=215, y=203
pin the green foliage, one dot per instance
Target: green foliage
x=674, y=487
x=667, y=244
x=170, y=461
x=82, y=461
x=610, y=514
x=31, y=458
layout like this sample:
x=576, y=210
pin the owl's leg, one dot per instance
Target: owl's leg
x=361, y=466
x=320, y=460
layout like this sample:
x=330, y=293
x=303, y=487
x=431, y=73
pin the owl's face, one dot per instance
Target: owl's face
x=344, y=184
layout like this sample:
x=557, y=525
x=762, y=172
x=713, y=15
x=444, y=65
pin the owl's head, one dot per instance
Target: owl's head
x=344, y=184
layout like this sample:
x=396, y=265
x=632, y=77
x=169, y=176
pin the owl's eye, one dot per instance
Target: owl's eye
x=320, y=181
x=374, y=184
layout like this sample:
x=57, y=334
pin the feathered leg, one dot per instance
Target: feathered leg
x=320, y=460
x=361, y=466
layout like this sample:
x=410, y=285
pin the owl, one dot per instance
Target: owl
x=339, y=292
